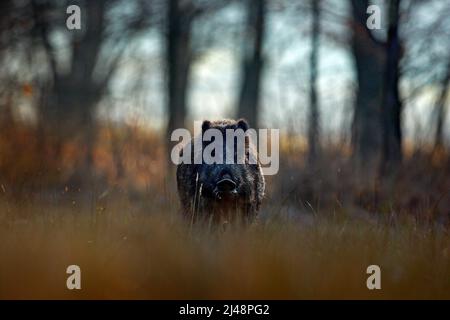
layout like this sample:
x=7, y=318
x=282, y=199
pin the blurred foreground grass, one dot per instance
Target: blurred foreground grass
x=146, y=254
x=320, y=227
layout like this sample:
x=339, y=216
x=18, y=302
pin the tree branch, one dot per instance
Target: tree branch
x=39, y=11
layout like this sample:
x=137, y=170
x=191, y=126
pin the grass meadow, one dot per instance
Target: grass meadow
x=316, y=235
x=127, y=254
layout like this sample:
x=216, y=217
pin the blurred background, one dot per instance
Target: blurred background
x=86, y=114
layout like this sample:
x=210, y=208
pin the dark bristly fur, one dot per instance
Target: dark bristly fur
x=197, y=182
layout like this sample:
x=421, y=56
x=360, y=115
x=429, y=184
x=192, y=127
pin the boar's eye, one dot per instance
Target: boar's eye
x=243, y=124
x=206, y=125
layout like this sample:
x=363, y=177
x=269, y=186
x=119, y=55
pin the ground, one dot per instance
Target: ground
x=129, y=253
x=318, y=231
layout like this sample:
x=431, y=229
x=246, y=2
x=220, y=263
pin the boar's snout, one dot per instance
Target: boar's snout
x=225, y=184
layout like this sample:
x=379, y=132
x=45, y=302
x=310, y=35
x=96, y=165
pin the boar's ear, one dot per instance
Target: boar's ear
x=206, y=125
x=243, y=124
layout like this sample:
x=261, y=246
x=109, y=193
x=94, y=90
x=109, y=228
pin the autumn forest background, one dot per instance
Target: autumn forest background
x=86, y=117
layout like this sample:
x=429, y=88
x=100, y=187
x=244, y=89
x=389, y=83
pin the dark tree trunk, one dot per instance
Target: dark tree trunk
x=70, y=117
x=441, y=110
x=391, y=105
x=178, y=60
x=368, y=56
x=313, y=118
x=252, y=64
x=74, y=94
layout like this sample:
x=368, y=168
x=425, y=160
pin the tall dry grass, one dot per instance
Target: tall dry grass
x=318, y=231
x=126, y=253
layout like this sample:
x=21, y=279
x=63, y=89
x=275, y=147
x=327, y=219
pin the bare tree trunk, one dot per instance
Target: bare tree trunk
x=178, y=59
x=392, y=106
x=252, y=64
x=369, y=60
x=313, y=119
x=441, y=110
x=69, y=113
